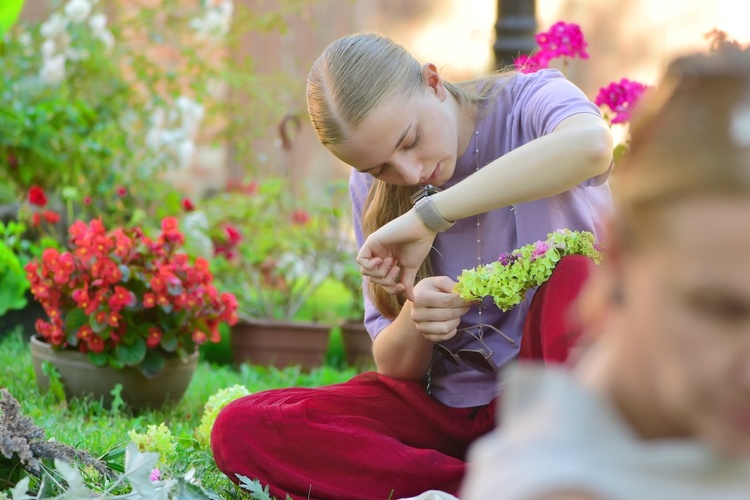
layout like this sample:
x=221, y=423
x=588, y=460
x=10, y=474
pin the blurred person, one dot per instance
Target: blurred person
x=658, y=406
x=517, y=156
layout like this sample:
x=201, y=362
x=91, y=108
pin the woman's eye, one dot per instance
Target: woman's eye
x=414, y=143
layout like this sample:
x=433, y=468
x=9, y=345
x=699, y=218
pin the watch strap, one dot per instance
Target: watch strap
x=429, y=215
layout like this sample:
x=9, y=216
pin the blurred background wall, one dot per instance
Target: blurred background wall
x=627, y=39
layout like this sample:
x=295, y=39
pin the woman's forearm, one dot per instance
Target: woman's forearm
x=580, y=148
x=400, y=351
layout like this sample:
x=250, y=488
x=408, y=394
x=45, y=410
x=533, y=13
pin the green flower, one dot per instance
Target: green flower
x=509, y=278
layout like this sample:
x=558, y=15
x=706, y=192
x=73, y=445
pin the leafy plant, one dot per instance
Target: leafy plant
x=127, y=299
x=509, y=278
x=274, y=248
x=13, y=282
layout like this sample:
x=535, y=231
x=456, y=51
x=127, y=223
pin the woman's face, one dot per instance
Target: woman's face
x=406, y=141
x=685, y=324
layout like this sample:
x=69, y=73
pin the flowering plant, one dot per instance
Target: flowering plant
x=274, y=248
x=509, y=278
x=566, y=41
x=127, y=299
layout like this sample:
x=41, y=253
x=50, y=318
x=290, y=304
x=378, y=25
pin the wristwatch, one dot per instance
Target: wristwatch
x=426, y=210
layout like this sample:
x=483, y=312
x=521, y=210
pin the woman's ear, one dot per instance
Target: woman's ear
x=432, y=78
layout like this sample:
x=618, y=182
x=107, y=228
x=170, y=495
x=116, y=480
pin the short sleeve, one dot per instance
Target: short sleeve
x=546, y=98
x=359, y=186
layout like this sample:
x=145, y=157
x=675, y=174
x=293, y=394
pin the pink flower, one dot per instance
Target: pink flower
x=154, y=476
x=621, y=97
x=531, y=64
x=87, y=200
x=563, y=40
x=300, y=217
x=122, y=191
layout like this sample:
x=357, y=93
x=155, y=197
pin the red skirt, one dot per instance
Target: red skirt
x=374, y=437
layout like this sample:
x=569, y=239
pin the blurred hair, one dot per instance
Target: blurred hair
x=689, y=138
x=351, y=78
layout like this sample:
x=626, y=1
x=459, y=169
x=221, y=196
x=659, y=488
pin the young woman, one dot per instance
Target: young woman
x=518, y=156
x=659, y=405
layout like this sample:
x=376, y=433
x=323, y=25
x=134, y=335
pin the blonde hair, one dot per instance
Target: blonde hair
x=690, y=138
x=351, y=78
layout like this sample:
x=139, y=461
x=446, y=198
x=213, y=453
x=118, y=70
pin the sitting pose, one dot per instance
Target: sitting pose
x=658, y=406
x=517, y=156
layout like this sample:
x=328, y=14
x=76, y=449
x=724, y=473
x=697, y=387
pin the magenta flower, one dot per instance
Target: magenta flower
x=155, y=475
x=563, y=40
x=540, y=250
x=531, y=64
x=621, y=97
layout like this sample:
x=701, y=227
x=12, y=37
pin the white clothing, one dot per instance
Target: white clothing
x=557, y=435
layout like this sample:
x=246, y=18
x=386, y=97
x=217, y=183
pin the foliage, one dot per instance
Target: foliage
x=96, y=114
x=156, y=439
x=107, y=430
x=272, y=253
x=13, y=283
x=127, y=299
x=211, y=410
x=23, y=441
x=509, y=278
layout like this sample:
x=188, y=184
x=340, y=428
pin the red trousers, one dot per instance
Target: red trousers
x=374, y=437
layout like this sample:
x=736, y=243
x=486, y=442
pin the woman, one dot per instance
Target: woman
x=529, y=150
x=659, y=405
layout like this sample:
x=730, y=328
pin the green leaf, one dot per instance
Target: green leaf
x=98, y=358
x=9, y=12
x=169, y=342
x=133, y=354
x=74, y=320
x=152, y=365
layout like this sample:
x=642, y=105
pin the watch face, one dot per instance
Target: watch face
x=423, y=191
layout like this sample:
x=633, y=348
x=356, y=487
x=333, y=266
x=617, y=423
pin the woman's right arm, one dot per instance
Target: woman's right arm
x=404, y=348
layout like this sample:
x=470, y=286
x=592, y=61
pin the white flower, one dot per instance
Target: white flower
x=53, y=70
x=25, y=39
x=107, y=38
x=48, y=48
x=216, y=22
x=78, y=10
x=185, y=151
x=97, y=23
x=54, y=26
x=77, y=54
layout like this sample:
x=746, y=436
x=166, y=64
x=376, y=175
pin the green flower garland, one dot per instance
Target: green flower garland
x=509, y=278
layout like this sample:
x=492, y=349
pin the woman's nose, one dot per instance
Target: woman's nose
x=411, y=171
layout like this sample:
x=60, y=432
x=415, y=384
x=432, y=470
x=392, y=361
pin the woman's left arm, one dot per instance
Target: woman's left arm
x=578, y=149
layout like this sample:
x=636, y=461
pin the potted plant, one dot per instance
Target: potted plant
x=125, y=308
x=279, y=252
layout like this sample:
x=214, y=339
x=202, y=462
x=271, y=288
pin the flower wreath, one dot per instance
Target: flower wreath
x=513, y=274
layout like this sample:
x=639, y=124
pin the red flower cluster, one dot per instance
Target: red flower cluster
x=126, y=296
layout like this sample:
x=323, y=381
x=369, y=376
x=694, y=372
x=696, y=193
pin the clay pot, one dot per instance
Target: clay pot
x=280, y=343
x=357, y=345
x=81, y=378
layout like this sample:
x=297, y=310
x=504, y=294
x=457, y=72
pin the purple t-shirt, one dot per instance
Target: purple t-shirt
x=530, y=106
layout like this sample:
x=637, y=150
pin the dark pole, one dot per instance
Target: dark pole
x=514, y=30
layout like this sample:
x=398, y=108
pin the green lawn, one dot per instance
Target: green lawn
x=87, y=425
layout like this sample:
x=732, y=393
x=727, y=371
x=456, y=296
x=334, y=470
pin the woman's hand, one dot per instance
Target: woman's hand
x=436, y=310
x=391, y=256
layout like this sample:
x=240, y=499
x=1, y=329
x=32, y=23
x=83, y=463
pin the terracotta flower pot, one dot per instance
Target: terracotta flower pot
x=81, y=378
x=357, y=345
x=280, y=343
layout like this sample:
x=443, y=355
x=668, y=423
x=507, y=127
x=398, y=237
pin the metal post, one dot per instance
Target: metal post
x=514, y=30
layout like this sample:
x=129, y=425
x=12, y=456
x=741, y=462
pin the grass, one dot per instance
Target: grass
x=87, y=425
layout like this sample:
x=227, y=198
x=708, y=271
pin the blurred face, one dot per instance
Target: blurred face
x=406, y=141
x=684, y=324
